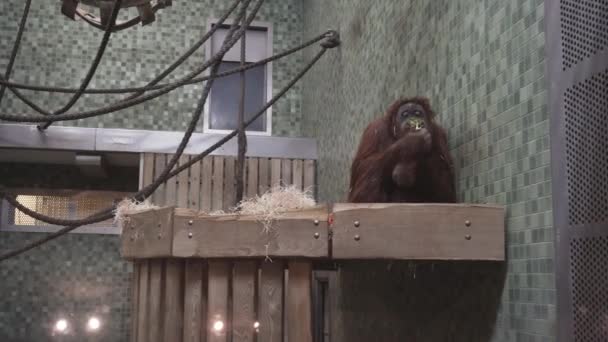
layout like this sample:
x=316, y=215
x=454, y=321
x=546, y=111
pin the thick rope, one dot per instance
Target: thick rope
x=103, y=217
x=15, y=85
x=11, y=62
x=130, y=103
x=242, y=139
x=93, y=69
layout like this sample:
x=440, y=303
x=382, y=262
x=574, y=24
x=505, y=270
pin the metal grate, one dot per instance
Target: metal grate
x=589, y=269
x=584, y=29
x=586, y=113
x=65, y=206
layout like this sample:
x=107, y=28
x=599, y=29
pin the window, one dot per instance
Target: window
x=221, y=110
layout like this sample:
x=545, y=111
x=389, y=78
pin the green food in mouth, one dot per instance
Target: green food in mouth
x=415, y=123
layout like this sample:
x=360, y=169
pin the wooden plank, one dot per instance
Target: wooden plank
x=182, y=184
x=160, y=161
x=148, y=169
x=195, y=187
x=155, y=320
x=142, y=312
x=297, y=173
x=263, y=175
x=173, y=309
x=295, y=234
x=286, y=172
x=252, y=178
x=418, y=231
x=206, y=178
x=271, y=302
x=135, y=299
x=229, y=183
x=217, y=314
x=195, y=308
x=298, y=302
x=171, y=191
x=148, y=234
x=309, y=177
x=275, y=172
x=217, y=201
x=243, y=304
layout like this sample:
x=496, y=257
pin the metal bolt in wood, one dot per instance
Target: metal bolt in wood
x=190, y=235
x=317, y=235
x=316, y=222
x=467, y=223
x=357, y=237
x=468, y=237
x=190, y=222
x=357, y=223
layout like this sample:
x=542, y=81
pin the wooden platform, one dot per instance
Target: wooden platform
x=347, y=231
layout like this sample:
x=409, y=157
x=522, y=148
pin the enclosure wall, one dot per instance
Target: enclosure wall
x=482, y=64
x=58, y=52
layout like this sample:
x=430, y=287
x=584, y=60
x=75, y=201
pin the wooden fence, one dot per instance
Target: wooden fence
x=219, y=300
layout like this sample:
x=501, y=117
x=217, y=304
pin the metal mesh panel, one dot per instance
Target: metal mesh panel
x=589, y=269
x=65, y=206
x=586, y=117
x=584, y=29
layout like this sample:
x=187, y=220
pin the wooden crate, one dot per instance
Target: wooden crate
x=182, y=299
x=193, y=270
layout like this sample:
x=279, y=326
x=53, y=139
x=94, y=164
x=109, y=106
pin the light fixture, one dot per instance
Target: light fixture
x=61, y=325
x=93, y=324
x=146, y=10
x=218, y=326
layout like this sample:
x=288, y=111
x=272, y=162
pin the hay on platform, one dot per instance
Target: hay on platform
x=129, y=206
x=272, y=204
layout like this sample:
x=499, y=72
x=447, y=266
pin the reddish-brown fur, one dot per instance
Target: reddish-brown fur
x=429, y=173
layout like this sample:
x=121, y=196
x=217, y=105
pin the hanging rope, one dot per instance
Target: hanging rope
x=11, y=62
x=104, y=216
x=129, y=103
x=331, y=40
x=15, y=85
x=242, y=139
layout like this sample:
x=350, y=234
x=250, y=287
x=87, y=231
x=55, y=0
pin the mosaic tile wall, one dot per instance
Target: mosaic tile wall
x=74, y=277
x=57, y=51
x=482, y=65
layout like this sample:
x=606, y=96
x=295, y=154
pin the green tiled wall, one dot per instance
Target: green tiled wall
x=57, y=51
x=482, y=65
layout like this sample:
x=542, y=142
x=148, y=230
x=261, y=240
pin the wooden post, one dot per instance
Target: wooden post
x=271, y=302
x=298, y=305
x=243, y=301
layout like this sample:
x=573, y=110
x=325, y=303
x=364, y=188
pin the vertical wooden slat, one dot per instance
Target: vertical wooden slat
x=286, y=172
x=170, y=190
x=135, y=299
x=217, y=198
x=195, y=305
x=160, y=161
x=173, y=310
x=182, y=184
x=264, y=175
x=148, y=169
x=155, y=320
x=271, y=302
x=195, y=186
x=309, y=176
x=243, y=305
x=229, y=183
x=217, y=297
x=252, y=177
x=206, y=177
x=296, y=172
x=275, y=172
x=298, y=302
x=142, y=317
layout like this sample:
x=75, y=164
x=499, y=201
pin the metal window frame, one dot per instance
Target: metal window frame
x=267, y=26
